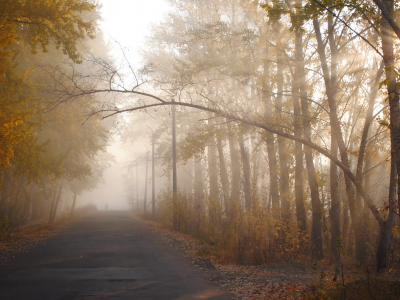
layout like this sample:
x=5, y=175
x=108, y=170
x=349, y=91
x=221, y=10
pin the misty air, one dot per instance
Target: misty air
x=199, y=149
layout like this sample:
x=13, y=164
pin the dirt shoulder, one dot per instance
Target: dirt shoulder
x=25, y=237
x=281, y=280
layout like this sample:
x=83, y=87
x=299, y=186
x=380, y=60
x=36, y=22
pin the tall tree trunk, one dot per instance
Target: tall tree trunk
x=137, y=186
x=282, y=145
x=145, y=183
x=56, y=202
x=393, y=95
x=361, y=152
x=269, y=138
x=175, y=213
x=198, y=188
x=53, y=202
x=246, y=173
x=224, y=175
x=235, y=170
x=331, y=87
x=298, y=150
x=256, y=170
x=213, y=175
x=73, y=204
x=316, y=231
x=153, y=179
x=367, y=180
x=334, y=212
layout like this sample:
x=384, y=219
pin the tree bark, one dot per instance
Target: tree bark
x=153, y=179
x=270, y=141
x=246, y=173
x=213, y=175
x=199, y=189
x=224, y=175
x=175, y=213
x=334, y=212
x=393, y=95
x=145, y=183
x=282, y=145
x=298, y=150
x=235, y=170
x=316, y=231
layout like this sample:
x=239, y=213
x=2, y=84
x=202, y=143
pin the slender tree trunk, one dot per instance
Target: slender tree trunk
x=235, y=169
x=298, y=150
x=145, y=183
x=362, y=151
x=213, y=175
x=269, y=138
x=153, y=181
x=386, y=229
x=316, y=231
x=331, y=87
x=53, y=202
x=224, y=175
x=73, y=204
x=256, y=170
x=137, y=187
x=282, y=145
x=56, y=202
x=199, y=188
x=246, y=174
x=175, y=217
x=334, y=212
x=393, y=95
x=367, y=181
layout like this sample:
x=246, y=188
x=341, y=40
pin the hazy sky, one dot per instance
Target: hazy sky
x=126, y=21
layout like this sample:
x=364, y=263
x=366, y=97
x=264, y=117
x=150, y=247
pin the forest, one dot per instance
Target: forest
x=271, y=128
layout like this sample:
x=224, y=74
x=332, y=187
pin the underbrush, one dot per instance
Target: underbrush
x=361, y=287
x=249, y=238
x=255, y=238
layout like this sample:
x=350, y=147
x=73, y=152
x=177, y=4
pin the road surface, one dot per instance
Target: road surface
x=108, y=255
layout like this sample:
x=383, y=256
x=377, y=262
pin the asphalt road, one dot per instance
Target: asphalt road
x=106, y=256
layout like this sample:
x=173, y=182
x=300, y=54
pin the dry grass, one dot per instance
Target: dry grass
x=284, y=279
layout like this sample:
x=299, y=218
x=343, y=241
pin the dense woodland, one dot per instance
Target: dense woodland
x=272, y=127
x=45, y=151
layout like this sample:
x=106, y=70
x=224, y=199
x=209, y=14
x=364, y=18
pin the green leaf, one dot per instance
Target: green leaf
x=385, y=82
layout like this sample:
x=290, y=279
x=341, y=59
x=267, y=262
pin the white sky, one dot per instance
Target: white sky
x=126, y=21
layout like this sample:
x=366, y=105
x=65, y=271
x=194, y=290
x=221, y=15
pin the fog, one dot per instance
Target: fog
x=273, y=127
x=128, y=23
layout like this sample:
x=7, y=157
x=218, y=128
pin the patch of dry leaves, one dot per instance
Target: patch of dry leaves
x=25, y=237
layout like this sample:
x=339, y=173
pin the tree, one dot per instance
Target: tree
x=215, y=71
x=32, y=23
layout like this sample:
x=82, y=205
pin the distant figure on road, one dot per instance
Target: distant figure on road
x=106, y=207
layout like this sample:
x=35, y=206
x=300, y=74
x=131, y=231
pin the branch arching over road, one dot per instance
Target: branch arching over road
x=233, y=117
